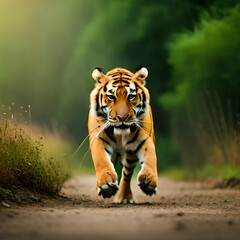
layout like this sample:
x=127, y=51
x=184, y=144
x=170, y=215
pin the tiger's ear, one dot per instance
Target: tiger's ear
x=141, y=74
x=98, y=75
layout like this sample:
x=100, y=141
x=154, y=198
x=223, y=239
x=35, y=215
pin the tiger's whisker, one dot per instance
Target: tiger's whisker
x=144, y=122
x=84, y=140
x=146, y=129
x=104, y=126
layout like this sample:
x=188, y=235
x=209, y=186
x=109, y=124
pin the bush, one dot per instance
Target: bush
x=204, y=96
x=24, y=163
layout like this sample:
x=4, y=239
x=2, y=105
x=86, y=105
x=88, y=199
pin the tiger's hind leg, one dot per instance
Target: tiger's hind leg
x=125, y=193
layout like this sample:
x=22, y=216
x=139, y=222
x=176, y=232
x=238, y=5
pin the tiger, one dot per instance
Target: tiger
x=120, y=126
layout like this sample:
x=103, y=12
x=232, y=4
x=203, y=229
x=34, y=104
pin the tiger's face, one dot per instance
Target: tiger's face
x=120, y=97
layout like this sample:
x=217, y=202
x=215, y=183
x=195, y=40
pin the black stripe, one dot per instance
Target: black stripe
x=118, y=156
x=131, y=161
x=139, y=105
x=133, y=128
x=115, y=82
x=98, y=110
x=137, y=149
x=104, y=140
x=140, y=97
x=111, y=91
x=125, y=81
x=105, y=87
x=136, y=86
x=129, y=168
x=103, y=107
x=109, y=132
x=140, y=145
x=127, y=180
x=107, y=151
x=127, y=175
x=99, y=114
x=123, y=126
x=144, y=100
x=140, y=113
x=97, y=102
x=134, y=138
x=132, y=90
x=143, y=95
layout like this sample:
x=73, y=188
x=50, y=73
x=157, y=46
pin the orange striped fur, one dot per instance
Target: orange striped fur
x=121, y=129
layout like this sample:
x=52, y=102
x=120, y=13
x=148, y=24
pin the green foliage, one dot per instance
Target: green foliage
x=167, y=152
x=206, y=171
x=24, y=163
x=33, y=66
x=4, y=192
x=204, y=96
x=60, y=42
x=136, y=36
x=57, y=58
x=207, y=58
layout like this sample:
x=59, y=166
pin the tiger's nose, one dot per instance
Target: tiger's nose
x=123, y=118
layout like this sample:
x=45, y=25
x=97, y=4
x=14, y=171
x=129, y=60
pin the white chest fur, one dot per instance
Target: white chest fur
x=122, y=136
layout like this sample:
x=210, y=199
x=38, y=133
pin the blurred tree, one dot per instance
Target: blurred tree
x=124, y=33
x=49, y=49
x=37, y=39
x=204, y=99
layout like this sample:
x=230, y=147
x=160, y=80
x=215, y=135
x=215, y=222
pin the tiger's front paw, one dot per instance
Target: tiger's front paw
x=107, y=184
x=147, y=179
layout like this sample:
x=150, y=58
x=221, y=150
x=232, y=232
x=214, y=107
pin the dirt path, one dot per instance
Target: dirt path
x=180, y=210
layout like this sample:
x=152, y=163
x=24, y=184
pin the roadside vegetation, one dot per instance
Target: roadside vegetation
x=192, y=51
x=29, y=160
x=203, y=96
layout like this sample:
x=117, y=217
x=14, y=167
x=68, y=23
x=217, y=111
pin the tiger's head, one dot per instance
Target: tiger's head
x=120, y=97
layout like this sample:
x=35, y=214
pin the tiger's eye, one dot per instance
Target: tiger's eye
x=111, y=97
x=131, y=96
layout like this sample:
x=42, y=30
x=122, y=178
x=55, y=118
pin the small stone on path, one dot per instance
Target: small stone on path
x=5, y=205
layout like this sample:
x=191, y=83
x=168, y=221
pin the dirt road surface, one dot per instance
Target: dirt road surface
x=180, y=210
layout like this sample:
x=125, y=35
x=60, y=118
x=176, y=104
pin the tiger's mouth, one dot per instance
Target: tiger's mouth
x=132, y=126
x=123, y=126
x=130, y=123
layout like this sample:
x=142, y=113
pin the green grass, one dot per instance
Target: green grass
x=24, y=162
x=5, y=192
x=204, y=172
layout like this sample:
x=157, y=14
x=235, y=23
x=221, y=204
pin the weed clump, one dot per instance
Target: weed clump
x=24, y=163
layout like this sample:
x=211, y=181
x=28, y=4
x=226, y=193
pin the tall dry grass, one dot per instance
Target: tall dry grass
x=30, y=158
x=209, y=134
x=208, y=137
x=221, y=143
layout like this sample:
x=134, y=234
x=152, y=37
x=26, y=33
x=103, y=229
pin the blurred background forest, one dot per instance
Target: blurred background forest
x=191, y=48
